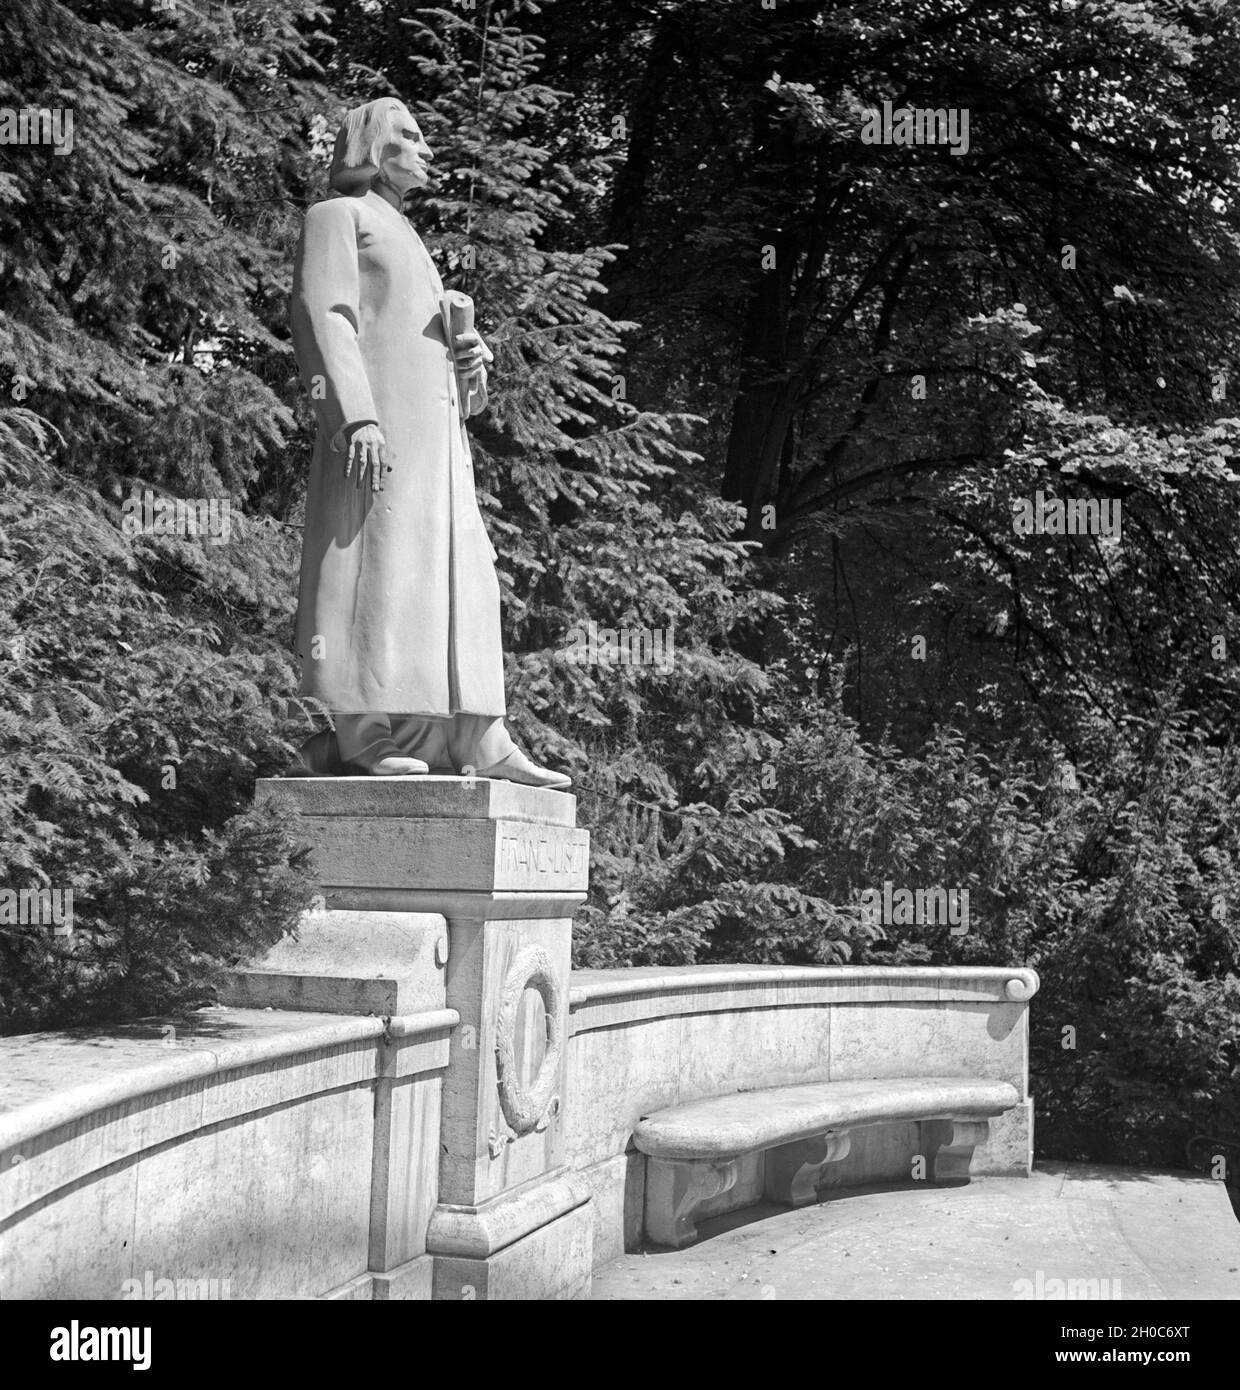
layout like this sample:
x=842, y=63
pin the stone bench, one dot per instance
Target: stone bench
x=694, y=1150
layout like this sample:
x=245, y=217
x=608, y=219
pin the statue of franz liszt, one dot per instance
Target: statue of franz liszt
x=398, y=624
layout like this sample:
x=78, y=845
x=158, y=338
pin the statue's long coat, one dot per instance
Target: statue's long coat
x=399, y=602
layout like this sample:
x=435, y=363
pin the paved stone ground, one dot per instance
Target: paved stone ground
x=1151, y=1235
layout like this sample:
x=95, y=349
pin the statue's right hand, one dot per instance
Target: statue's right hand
x=366, y=449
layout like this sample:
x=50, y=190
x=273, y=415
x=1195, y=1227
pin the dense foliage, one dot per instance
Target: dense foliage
x=758, y=383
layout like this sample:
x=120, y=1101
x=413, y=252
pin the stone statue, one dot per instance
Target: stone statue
x=398, y=624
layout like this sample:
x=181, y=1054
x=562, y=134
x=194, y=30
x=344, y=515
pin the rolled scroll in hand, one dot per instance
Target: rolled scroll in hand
x=458, y=317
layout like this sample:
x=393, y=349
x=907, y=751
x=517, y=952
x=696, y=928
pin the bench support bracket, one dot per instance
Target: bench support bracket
x=951, y=1160
x=794, y=1171
x=675, y=1188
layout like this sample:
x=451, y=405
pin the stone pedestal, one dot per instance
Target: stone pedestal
x=458, y=892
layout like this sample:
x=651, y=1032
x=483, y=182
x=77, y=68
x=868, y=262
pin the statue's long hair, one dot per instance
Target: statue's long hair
x=360, y=143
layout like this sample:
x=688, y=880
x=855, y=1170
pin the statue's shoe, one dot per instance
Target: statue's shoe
x=516, y=767
x=319, y=756
x=398, y=767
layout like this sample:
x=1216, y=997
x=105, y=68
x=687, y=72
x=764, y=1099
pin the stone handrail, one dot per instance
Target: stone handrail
x=188, y=1058
x=1007, y=982
x=643, y=990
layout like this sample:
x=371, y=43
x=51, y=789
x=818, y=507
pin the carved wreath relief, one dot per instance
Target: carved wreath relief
x=527, y=1108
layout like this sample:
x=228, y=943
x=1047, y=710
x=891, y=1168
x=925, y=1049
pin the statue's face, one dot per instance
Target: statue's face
x=406, y=155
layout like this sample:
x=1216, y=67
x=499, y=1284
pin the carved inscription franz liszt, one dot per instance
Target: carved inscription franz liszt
x=542, y=852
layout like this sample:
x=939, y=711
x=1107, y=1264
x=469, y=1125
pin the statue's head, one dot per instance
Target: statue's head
x=380, y=140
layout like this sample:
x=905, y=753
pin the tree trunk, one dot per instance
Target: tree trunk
x=644, y=119
x=766, y=396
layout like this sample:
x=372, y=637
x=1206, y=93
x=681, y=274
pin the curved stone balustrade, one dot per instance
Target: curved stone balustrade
x=441, y=1148
x=187, y=1137
x=648, y=1038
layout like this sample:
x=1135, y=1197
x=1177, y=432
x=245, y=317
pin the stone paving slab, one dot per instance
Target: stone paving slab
x=1148, y=1235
